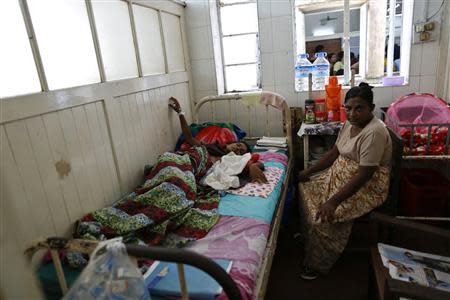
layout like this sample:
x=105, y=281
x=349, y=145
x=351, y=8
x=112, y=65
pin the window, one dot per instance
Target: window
x=173, y=42
x=18, y=74
x=115, y=36
x=57, y=44
x=355, y=29
x=65, y=42
x=238, y=43
x=148, y=32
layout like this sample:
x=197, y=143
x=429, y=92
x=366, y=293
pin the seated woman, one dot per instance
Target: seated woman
x=355, y=180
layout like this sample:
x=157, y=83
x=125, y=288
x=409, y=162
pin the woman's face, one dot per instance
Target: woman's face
x=333, y=58
x=238, y=148
x=358, y=111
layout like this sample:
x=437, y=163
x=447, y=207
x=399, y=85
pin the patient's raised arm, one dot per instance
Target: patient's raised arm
x=175, y=105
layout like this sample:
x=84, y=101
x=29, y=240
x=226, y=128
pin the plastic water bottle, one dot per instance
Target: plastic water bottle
x=302, y=69
x=321, y=71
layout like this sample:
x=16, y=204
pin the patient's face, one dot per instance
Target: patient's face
x=238, y=148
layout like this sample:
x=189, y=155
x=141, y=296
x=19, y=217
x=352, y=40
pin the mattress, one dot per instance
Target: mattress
x=242, y=232
x=253, y=207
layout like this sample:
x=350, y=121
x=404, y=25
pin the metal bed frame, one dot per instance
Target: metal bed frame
x=232, y=99
x=182, y=256
x=429, y=126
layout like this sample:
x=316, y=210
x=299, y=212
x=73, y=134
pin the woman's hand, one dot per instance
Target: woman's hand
x=256, y=174
x=174, y=104
x=303, y=176
x=326, y=211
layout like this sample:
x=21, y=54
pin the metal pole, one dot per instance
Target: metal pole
x=390, y=54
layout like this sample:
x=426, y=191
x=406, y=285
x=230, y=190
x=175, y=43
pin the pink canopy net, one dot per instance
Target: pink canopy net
x=417, y=109
x=420, y=109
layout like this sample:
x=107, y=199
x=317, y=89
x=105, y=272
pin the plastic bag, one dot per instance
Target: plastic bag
x=109, y=275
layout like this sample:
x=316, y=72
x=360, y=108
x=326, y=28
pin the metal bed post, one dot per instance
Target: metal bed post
x=179, y=256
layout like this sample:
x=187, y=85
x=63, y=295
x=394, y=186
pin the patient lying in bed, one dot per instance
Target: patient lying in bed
x=170, y=207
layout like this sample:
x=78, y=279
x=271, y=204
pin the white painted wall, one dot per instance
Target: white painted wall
x=65, y=153
x=277, y=57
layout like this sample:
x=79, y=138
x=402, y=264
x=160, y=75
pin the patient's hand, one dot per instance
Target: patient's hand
x=174, y=104
x=256, y=174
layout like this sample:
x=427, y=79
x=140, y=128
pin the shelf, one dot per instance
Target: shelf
x=447, y=219
x=427, y=157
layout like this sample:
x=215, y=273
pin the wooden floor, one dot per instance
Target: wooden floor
x=347, y=280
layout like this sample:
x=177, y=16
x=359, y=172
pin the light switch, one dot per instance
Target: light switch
x=429, y=26
x=419, y=28
x=424, y=36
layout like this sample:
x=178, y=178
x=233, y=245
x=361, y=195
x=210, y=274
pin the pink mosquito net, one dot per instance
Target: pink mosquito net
x=417, y=109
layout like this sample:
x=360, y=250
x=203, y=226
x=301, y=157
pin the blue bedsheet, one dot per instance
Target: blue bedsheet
x=250, y=206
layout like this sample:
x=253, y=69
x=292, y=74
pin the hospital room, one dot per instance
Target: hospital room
x=225, y=149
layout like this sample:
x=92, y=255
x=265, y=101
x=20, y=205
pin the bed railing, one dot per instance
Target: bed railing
x=232, y=100
x=179, y=256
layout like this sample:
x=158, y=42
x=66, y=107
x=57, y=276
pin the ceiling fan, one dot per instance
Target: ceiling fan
x=325, y=20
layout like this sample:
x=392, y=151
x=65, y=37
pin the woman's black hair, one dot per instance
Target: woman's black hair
x=363, y=91
x=249, y=150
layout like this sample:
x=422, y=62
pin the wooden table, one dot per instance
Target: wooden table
x=304, y=134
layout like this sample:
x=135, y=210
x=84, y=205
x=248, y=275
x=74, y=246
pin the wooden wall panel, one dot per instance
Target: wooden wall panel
x=91, y=170
x=59, y=167
x=77, y=164
x=68, y=152
x=144, y=127
x=27, y=166
x=58, y=148
x=48, y=175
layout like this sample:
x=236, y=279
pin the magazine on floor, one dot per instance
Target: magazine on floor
x=416, y=267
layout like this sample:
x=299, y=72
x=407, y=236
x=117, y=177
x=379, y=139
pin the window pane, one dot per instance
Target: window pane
x=65, y=42
x=240, y=49
x=116, y=40
x=234, y=1
x=329, y=23
x=239, y=18
x=173, y=41
x=18, y=73
x=398, y=22
x=241, y=78
x=149, y=40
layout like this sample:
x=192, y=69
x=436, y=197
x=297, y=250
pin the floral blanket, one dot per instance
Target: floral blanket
x=169, y=201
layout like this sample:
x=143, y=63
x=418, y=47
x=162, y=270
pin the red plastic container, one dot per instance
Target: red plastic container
x=423, y=192
x=320, y=110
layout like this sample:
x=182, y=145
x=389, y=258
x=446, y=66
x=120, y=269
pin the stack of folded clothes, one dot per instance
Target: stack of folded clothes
x=277, y=142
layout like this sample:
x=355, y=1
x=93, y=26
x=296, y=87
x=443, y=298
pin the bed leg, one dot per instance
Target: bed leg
x=182, y=278
x=59, y=271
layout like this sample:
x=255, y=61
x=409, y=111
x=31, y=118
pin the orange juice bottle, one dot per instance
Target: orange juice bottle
x=333, y=97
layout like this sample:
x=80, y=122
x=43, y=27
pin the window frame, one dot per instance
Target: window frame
x=223, y=65
x=405, y=43
x=37, y=57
